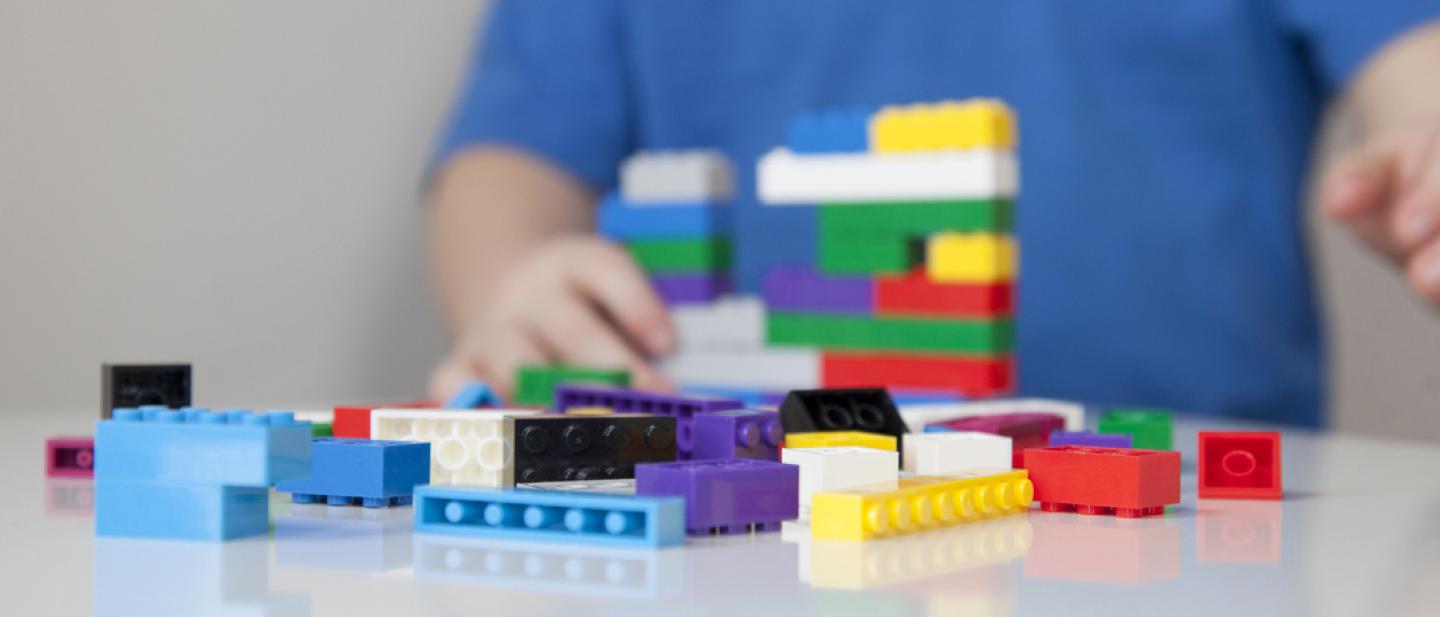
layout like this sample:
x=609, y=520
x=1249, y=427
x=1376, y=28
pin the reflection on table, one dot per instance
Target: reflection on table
x=160, y=577
x=343, y=537
x=1103, y=549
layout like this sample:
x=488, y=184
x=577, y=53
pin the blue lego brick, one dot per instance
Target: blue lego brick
x=180, y=511
x=578, y=518
x=367, y=472
x=473, y=395
x=618, y=220
x=835, y=130
x=196, y=446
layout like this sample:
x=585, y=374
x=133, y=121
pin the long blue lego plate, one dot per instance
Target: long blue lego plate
x=607, y=520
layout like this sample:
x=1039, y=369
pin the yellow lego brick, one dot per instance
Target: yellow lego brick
x=949, y=125
x=589, y=411
x=919, y=504
x=840, y=439
x=953, y=257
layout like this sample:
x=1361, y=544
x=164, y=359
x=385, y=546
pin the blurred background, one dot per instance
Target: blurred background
x=236, y=185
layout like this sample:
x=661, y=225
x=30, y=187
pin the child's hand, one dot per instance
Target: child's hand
x=575, y=300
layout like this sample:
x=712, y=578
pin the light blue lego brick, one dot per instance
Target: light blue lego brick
x=834, y=130
x=472, y=395
x=366, y=472
x=577, y=518
x=180, y=511
x=196, y=446
x=621, y=221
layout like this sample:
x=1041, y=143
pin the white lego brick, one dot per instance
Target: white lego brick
x=917, y=416
x=733, y=322
x=467, y=448
x=836, y=469
x=315, y=416
x=785, y=178
x=670, y=176
x=755, y=369
x=939, y=454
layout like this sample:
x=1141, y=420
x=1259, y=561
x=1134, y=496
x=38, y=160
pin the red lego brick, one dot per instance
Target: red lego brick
x=968, y=375
x=1240, y=465
x=915, y=294
x=1121, y=481
x=354, y=421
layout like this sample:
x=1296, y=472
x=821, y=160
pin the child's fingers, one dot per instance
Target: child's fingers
x=490, y=354
x=573, y=332
x=1417, y=209
x=606, y=275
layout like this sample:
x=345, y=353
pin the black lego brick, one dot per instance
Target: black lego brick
x=555, y=447
x=842, y=409
x=136, y=385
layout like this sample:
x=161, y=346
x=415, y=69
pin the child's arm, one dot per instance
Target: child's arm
x=522, y=280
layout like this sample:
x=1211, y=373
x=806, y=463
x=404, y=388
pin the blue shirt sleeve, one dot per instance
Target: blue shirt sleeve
x=1342, y=35
x=546, y=77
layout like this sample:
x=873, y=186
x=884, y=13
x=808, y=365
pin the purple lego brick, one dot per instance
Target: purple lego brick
x=690, y=288
x=736, y=434
x=800, y=288
x=726, y=497
x=1087, y=438
x=624, y=400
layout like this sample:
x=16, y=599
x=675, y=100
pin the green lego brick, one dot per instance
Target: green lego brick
x=866, y=333
x=535, y=385
x=906, y=219
x=895, y=255
x=694, y=255
x=321, y=429
x=1150, y=429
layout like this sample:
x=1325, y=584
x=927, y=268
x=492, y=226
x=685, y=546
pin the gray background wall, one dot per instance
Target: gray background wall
x=233, y=184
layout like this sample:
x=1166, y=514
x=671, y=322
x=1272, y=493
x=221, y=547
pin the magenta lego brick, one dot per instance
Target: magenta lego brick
x=690, y=288
x=737, y=434
x=735, y=496
x=1087, y=438
x=624, y=400
x=801, y=288
x=1025, y=430
x=70, y=457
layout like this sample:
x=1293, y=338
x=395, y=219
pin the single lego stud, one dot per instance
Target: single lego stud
x=553, y=448
x=467, y=448
x=919, y=504
x=841, y=439
x=140, y=385
x=738, y=434
x=831, y=130
x=835, y=469
x=472, y=395
x=197, y=446
x=976, y=258
x=551, y=516
x=1087, y=438
x=1127, y=483
x=938, y=454
x=682, y=408
x=948, y=125
x=900, y=335
x=1240, y=465
x=726, y=497
x=1150, y=429
x=535, y=385
x=918, y=416
x=785, y=178
x=365, y=472
x=1025, y=430
x=70, y=457
x=969, y=375
x=677, y=175
x=842, y=409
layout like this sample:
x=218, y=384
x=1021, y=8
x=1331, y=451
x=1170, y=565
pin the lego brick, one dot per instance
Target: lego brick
x=731, y=322
x=620, y=486
x=737, y=434
x=938, y=454
x=70, y=457
x=833, y=469
x=557, y=448
x=1128, y=483
x=1087, y=438
x=577, y=518
x=929, y=556
x=554, y=569
x=726, y=497
x=685, y=256
x=231, y=448
x=972, y=376
x=917, y=416
x=757, y=369
x=690, y=288
x=535, y=385
x=947, y=125
x=618, y=219
x=830, y=130
x=841, y=409
x=141, y=509
x=856, y=221
x=137, y=385
x=785, y=178
x=467, y=448
x=919, y=504
x=366, y=472
x=321, y=429
x=669, y=176
x=868, y=257
x=682, y=408
x=1240, y=465
x=953, y=257
x=588, y=411
x=800, y=288
x=840, y=439
x=354, y=421
x=915, y=295
x=1151, y=429
x=903, y=334
x=473, y=395
x=1025, y=430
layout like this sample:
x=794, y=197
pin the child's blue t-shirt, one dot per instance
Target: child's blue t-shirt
x=1163, y=150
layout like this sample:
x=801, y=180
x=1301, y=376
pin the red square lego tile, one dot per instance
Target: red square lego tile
x=1240, y=465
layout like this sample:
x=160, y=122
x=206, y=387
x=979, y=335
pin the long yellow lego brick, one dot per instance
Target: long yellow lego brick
x=920, y=503
x=840, y=439
x=949, y=125
x=954, y=257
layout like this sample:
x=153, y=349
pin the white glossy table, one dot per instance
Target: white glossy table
x=1358, y=533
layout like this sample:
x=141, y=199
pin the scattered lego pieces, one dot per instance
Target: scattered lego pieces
x=473, y=395
x=366, y=472
x=138, y=385
x=70, y=457
x=555, y=516
x=738, y=434
x=1240, y=465
x=1086, y=438
x=825, y=470
x=726, y=497
x=1150, y=429
x=467, y=448
x=841, y=439
x=1128, y=483
x=682, y=408
x=560, y=448
x=938, y=454
x=841, y=409
x=535, y=385
x=918, y=504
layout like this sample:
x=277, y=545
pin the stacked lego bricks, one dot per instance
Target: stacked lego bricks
x=671, y=214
